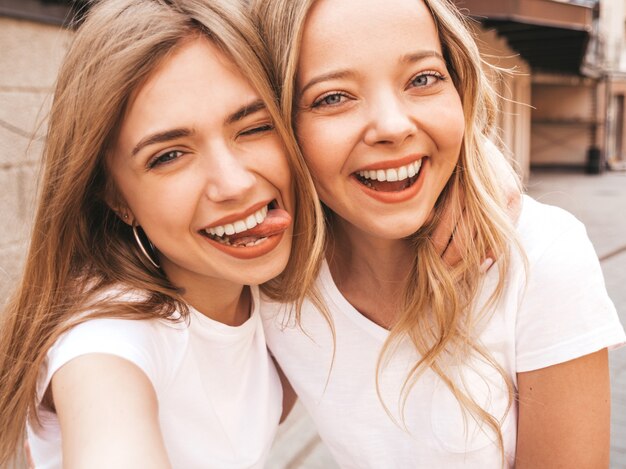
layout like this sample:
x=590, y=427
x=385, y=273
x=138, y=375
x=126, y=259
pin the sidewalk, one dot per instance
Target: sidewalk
x=600, y=203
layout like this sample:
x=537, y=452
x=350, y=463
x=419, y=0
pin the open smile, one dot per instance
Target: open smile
x=391, y=179
x=254, y=234
x=391, y=184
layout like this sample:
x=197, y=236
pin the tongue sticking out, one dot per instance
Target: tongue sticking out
x=276, y=221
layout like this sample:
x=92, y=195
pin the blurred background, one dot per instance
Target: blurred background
x=561, y=123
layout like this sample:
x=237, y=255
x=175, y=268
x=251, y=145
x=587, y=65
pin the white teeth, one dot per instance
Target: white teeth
x=255, y=243
x=251, y=222
x=240, y=225
x=393, y=174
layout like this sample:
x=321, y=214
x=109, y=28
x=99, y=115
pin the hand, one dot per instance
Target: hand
x=450, y=242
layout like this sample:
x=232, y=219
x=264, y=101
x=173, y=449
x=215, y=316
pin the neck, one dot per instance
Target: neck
x=354, y=252
x=218, y=299
x=369, y=271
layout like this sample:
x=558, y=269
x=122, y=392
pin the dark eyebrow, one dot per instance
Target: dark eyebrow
x=173, y=134
x=245, y=110
x=417, y=56
x=327, y=76
x=160, y=137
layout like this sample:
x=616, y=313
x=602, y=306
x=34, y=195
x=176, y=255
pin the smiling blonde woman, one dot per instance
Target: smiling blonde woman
x=426, y=365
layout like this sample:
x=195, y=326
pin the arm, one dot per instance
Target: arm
x=564, y=415
x=108, y=413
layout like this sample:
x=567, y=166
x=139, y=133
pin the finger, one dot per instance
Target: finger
x=514, y=206
x=459, y=242
x=508, y=180
x=486, y=264
x=446, y=224
x=513, y=211
x=442, y=234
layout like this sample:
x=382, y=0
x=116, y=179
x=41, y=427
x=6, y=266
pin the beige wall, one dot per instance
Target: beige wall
x=514, y=88
x=612, y=29
x=613, y=33
x=30, y=54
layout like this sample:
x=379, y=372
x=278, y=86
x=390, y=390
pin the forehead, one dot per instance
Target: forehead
x=195, y=85
x=399, y=26
x=196, y=65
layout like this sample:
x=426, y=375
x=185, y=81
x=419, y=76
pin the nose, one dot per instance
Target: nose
x=390, y=120
x=228, y=176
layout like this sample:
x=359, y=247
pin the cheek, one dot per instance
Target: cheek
x=165, y=204
x=324, y=145
x=447, y=124
x=325, y=170
x=274, y=166
x=318, y=162
x=454, y=120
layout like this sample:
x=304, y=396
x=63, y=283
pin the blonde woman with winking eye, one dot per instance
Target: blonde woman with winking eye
x=410, y=363
x=169, y=193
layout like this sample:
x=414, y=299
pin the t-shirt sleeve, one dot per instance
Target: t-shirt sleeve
x=565, y=311
x=132, y=340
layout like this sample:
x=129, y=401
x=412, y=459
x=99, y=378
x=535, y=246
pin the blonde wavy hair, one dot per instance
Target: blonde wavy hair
x=438, y=313
x=79, y=248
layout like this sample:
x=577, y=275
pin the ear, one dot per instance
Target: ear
x=119, y=206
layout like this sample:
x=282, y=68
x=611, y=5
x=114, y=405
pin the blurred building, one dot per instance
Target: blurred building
x=562, y=104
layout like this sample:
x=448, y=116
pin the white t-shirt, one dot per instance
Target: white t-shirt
x=561, y=313
x=220, y=398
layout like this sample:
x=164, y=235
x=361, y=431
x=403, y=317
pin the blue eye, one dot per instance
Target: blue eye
x=426, y=79
x=331, y=99
x=164, y=158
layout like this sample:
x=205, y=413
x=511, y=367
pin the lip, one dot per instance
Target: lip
x=388, y=164
x=398, y=196
x=237, y=216
x=251, y=252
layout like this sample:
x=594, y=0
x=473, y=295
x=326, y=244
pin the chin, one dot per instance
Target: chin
x=393, y=229
x=261, y=277
x=265, y=270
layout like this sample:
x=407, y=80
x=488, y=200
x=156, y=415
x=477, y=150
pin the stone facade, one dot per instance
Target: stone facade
x=30, y=54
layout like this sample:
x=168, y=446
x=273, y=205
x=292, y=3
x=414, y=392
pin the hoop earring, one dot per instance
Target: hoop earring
x=141, y=246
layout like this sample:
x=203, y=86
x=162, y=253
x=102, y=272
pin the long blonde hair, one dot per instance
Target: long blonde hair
x=79, y=248
x=438, y=314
